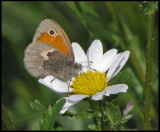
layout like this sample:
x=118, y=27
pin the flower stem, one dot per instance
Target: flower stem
x=99, y=124
x=148, y=81
x=95, y=106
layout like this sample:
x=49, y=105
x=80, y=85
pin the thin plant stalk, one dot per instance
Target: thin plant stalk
x=148, y=81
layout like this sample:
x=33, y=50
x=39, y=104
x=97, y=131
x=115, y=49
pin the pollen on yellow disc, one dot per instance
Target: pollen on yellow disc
x=57, y=42
x=89, y=83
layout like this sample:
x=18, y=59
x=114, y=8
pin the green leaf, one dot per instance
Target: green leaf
x=127, y=117
x=148, y=6
x=121, y=77
x=41, y=121
x=87, y=7
x=48, y=122
x=92, y=126
x=39, y=107
x=60, y=129
x=85, y=115
x=114, y=116
x=81, y=115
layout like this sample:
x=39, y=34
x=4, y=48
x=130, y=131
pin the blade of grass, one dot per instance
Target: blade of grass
x=6, y=120
x=77, y=9
x=134, y=60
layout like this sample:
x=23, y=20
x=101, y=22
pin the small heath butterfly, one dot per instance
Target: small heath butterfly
x=51, y=53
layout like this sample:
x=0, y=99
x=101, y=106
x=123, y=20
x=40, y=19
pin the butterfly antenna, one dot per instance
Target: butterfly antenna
x=89, y=63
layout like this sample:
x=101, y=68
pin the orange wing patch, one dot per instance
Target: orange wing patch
x=57, y=42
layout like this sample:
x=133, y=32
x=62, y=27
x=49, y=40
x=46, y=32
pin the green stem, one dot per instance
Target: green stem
x=6, y=120
x=95, y=106
x=99, y=123
x=148, y=81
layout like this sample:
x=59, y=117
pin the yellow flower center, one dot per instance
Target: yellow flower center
x=89, y=83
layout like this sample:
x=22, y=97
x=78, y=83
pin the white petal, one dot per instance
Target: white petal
x=63, y=110
x=71, y=100
x=61, y=99
x=69, y=103
x=77, y=97
x=48, y=79
x=107, y=60
x=114, y=89
x=78, y=53
x=80, y=56
x=117, y=64
x=56, y=85
x=65, y=107
x=94, y=54
x=97, y=96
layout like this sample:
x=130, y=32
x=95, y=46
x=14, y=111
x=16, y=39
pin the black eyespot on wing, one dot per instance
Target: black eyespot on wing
x=51, y=31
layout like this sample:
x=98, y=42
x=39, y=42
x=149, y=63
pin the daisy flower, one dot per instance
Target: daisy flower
x=93, y=81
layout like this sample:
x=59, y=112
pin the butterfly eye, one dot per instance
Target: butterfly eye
x=51, y=32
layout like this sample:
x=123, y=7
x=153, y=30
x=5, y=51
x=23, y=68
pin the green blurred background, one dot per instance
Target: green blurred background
x=120, y=25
